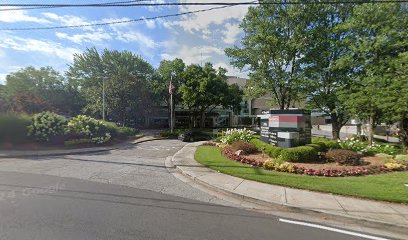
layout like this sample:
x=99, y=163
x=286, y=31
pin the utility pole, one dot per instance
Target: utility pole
x=171, y=102
x=103, y=98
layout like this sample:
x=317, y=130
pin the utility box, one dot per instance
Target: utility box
x=286, y=128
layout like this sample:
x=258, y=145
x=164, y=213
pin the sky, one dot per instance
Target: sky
x=195, y=38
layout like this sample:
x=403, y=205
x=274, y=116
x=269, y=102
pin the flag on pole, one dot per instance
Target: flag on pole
x=171, y=87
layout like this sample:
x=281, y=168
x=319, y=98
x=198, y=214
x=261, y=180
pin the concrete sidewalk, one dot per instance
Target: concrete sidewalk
x=28, y=153
x=373, y=211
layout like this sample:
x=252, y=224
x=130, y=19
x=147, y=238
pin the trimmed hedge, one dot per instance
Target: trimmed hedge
x=270, y=150
x=299, y=154
x=13, y=127
x=329, y=144
x=319, y=146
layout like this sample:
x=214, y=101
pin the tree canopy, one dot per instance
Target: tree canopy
x=205, y=88
x=127, y=78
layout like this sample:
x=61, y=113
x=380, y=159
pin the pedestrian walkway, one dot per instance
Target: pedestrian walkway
x=375, y=211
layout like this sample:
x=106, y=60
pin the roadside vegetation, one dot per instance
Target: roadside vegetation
x=349, y=167
x=385, y=187
x=48, y=129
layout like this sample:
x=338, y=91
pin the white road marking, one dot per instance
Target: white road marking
x=332, y=229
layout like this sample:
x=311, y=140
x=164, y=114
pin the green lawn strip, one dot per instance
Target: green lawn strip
x=386, y=187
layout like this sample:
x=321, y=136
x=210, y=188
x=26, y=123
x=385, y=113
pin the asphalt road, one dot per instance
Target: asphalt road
x=46, y=207
x=124, y=194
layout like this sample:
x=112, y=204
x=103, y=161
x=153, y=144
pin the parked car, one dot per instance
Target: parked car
x=192, y=136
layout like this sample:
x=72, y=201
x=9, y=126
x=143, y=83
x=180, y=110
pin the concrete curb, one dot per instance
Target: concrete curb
x=48, y=153
x=199, y=177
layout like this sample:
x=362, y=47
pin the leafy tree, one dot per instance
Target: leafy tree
x=272, y=49
x=31, y=90
x=394, y=97
x=161, y=80
x=127, y=78
x=326, y=69
x=205, y=88
x=377, y=36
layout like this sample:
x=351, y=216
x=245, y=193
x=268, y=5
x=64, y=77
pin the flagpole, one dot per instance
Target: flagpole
x=171, y=105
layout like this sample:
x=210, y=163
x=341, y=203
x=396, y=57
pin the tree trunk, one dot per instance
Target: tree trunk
x=403, y=134
x=370, y=129
x=335, y=126
x=202, y=120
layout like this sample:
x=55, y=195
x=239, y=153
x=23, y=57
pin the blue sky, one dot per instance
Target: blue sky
x=196, y=37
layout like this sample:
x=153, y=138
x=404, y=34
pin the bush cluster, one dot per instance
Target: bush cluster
x=299, y=154
x=45, y=125
x=325, y=143
x=92, y=128
x=271, y=151
x=280, y=167
x=233, y=135
x=13, y=127
x=344, y=157
x=247, y=148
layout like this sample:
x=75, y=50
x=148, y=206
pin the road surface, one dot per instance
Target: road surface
x=125, y=194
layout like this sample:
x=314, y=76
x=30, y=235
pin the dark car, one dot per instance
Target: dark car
x=192, y=136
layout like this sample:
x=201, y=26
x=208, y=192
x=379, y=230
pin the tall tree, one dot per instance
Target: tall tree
x=160, y=83
x=326, y=69
x=32, y=90
x=272, y=49
x=126, y=78
x=377, y=35
x=205, y=88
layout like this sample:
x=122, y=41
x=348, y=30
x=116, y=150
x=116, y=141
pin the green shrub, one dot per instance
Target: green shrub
x=45, y=125
x=270, y=150
x=320, y=147
x=247, y=148
x=95, y=129
x=299, y=154
x=329, y=144
x=127, y=131
x=13, y=127
x=401, y=158
x=234, y=134
x=168, y=134
x=77, y=141
x=111, y=127
x=218, y=139
x=344, y=157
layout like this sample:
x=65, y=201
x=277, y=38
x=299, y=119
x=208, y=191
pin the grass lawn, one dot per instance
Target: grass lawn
x=386, y=187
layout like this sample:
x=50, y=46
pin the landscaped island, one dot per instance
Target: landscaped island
x=325, y=165
x=48, y=130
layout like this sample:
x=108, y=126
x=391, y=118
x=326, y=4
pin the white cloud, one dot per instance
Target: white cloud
x=42, y=47
x=231, y=33
x=201, y=21
x=3, y=78
x=134, y=36
x=155, y=8
x=151, y=24
x=19, y=16
x=194, y=55
x=85, y=37
x=68, y=20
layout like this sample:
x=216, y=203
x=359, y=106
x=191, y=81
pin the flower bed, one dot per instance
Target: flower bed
x=338, y=172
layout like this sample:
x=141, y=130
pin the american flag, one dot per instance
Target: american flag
x=171, y=87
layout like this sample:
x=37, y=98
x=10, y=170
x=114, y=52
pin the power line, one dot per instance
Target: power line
x=43, y=7
x=195, y=3
x=113, y=22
